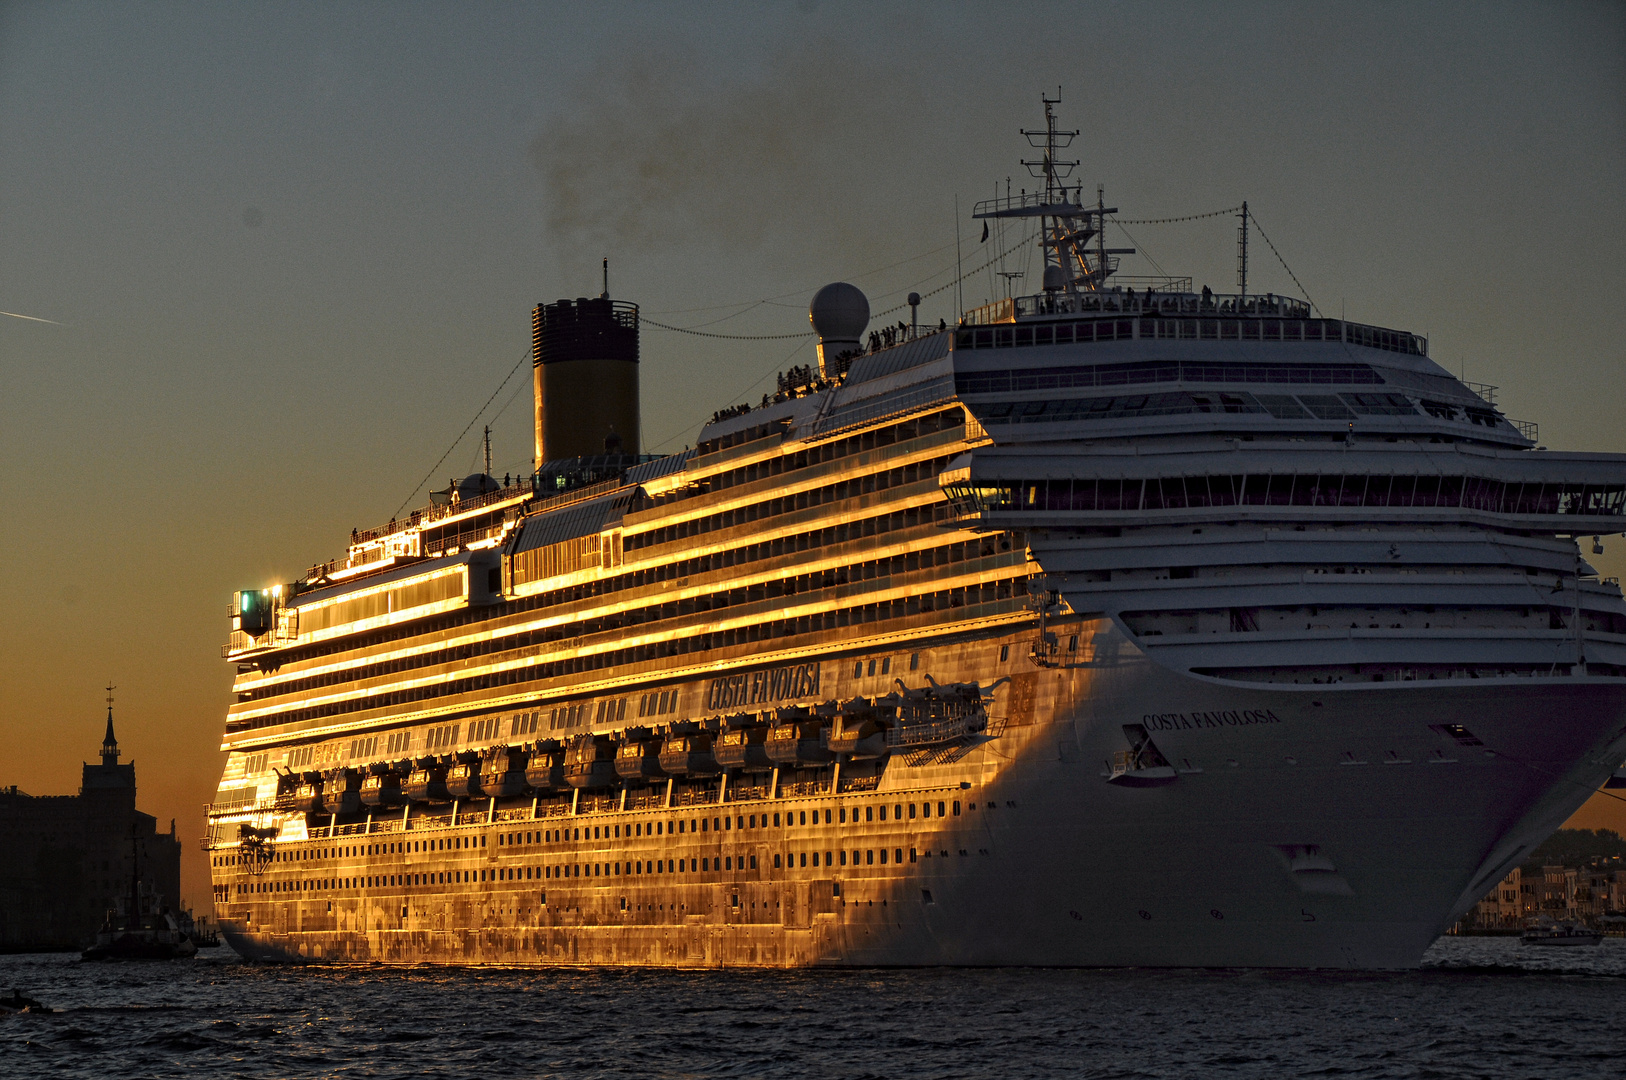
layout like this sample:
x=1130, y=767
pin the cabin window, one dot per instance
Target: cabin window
x=1004, y=653
x=728, y=863
x=843, y=813
x=657, y=828
x=827, y=817
x=858, y=670
x=753, y=862
x=844, y=858
x=914, y=662
x=776, y=862
x=911, y=811
x=956, y=809
x=728, y=823
x=753, y=821
x=680, y=826
x=883, y=856
x=897, y=812
x=869, y=857
x=869, y=813
x=776, y=821
x=804, y=817
x=883, y=813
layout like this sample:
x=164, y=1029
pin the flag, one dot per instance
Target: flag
x=984, y=232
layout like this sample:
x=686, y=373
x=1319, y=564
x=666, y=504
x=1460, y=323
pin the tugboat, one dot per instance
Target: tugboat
x=140, y=927
x=1545, y=931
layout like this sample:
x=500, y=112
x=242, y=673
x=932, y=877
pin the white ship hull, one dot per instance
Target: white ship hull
x=1395, y=829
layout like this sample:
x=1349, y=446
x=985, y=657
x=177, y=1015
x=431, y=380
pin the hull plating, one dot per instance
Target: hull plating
x=1337, y=826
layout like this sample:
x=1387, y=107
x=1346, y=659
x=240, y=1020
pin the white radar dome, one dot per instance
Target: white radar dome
x=839, y=312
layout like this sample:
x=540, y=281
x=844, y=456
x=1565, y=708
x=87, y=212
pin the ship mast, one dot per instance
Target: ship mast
x=1066, y=225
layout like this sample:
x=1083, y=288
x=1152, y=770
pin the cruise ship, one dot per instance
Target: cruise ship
x=1117, y=624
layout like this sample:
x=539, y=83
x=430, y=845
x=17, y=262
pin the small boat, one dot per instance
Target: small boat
x=502, y=772
x=341, y=792
x=545, y=771
x=17, y=1003
x=860, y=736
x=743, y=746
x=590, y=762
x=639, y=755
x=140, y=926
x=383, y=789
x=688, y=754
x=427, y=783
x=1547, y=931
x=798, y=742
x=463, y=780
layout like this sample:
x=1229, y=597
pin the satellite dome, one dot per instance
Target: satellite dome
x=475, y=484
x=1054, y=278
x=839, y=312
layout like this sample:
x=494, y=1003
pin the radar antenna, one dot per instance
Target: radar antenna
x=1066, y=225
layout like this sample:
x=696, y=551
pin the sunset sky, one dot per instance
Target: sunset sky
x=288, y=251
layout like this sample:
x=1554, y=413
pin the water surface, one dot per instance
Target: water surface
x=1480, y=1007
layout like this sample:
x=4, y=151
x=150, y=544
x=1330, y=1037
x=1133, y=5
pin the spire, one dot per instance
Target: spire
x=110, y=742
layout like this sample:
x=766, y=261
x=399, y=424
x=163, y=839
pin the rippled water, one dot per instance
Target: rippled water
x=1479, y=1007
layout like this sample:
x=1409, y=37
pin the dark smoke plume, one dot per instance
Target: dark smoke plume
x=656, y=152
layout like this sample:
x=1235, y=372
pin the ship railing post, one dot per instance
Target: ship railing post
x=368, y=828
x=491, y=811
x=773, y=784
x=535, y=800
x=333, y=825
x=575, y=799
x=454, y=813
x=722, y=790
x=835, y=777
x=669, y=782
x=406, y=812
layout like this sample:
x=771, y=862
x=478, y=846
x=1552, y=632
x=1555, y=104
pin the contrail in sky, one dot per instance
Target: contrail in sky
x=31, y=318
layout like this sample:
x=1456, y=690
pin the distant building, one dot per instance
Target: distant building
x=1502, y=908
x=63, y=857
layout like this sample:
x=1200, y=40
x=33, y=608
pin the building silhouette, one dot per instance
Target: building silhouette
x=64, y=857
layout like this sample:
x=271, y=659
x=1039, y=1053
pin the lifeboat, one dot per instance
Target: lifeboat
x=341, y=792
x=546, y=769
x=743, y=748
x=590, y=762
x=306, y=799
x=383, y=789
x=300, y=793
x=502, y=772
x=688, y=755
x=463, y=780
x=427, y=784
x=797, y=742
x=861, y=737
x=639, y=755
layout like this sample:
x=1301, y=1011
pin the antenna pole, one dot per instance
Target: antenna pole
x=959, y=267
x=488, y=449
x=1242, y=253
x=606, y=294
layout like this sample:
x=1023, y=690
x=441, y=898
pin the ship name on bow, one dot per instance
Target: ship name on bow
x=1179, y=721
x=761, y=687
